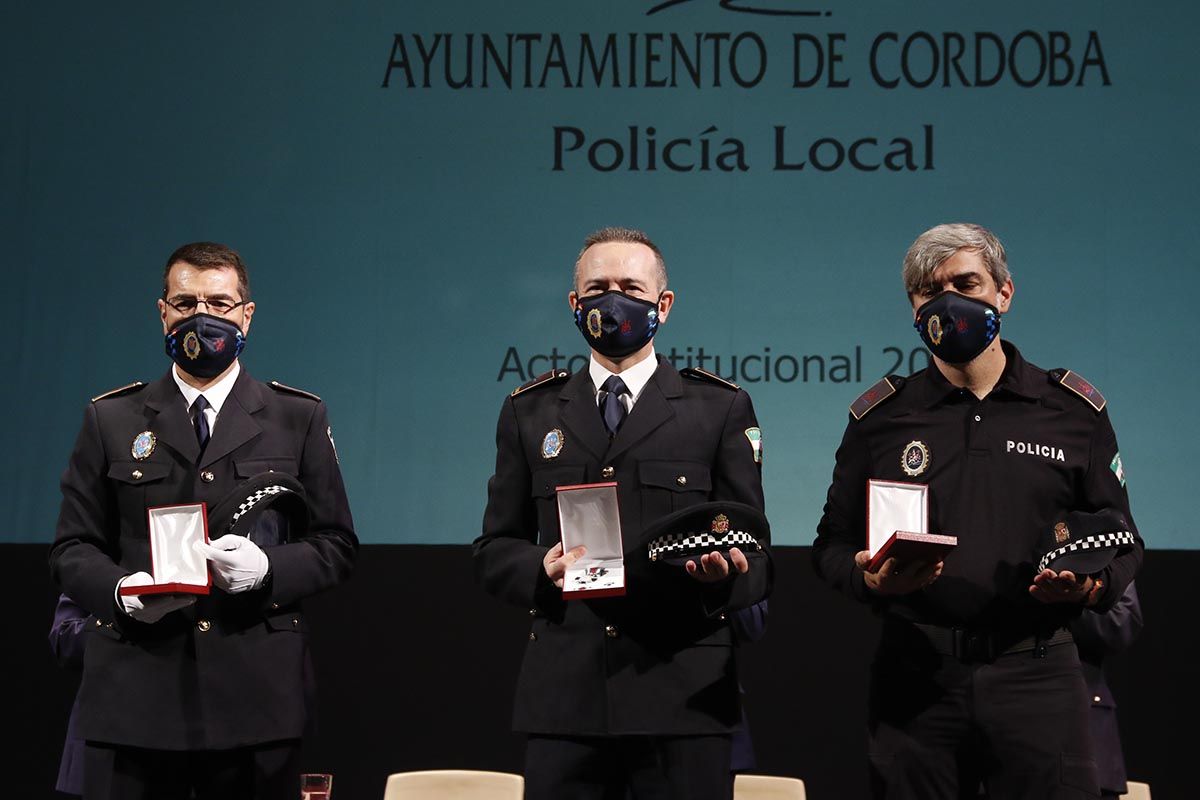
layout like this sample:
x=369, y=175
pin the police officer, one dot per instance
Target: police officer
x=184, y=695
x=635, y=693
x=975, y=677
x=1099, y=636
x=67, y=640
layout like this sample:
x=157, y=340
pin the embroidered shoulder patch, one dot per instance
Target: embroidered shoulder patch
x=1118, y=468
x=120, y=390
x=1076, y=383
x=704, y=375
x=872, y=397
x=283, y=387
x=545, y=379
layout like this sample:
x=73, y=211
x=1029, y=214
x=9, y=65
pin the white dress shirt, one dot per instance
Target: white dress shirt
x=215, y=394
x=635, y=377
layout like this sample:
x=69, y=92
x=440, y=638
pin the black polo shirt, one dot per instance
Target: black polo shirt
x=1000, y=470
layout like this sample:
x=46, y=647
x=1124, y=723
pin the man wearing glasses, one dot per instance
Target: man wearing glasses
x=187, y=695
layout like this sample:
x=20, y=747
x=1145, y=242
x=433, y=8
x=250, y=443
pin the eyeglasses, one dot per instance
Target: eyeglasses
x=187, y=305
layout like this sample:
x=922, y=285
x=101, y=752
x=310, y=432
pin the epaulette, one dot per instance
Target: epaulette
x=283, y=387
x=1076, y=383
x=882, y=390
x=119, y=390
x=545, y=379
x=705, y=375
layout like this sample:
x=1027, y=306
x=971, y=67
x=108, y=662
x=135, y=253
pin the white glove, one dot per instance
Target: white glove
x=149, y=608
x=238, y=564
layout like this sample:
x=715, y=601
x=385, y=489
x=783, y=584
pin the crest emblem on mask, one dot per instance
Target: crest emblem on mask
x=191, y=345
x=593, y=323
x=935, y=329
x=914, y=459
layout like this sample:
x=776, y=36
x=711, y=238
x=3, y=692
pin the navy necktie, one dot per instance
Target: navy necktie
x=201, y=421
x=611, y=408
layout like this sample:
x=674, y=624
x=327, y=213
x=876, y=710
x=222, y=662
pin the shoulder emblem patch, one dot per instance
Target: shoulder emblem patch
x=545, y=379
x=705, y=375
x=1076, y=383
x=283, y=387
x=119, y=390
x=872, y=397
x=756, y=443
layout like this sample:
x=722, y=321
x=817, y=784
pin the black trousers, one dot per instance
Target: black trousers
x=938, y=727
x=621, y=767
x=263, y=772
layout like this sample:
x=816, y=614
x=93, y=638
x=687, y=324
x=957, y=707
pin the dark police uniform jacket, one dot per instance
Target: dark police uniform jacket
x=1000, y=471
x=660, y=659
x=1099, y=636
x=229, y=670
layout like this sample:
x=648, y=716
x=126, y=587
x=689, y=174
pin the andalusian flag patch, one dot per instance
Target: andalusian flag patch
x=1117, y=468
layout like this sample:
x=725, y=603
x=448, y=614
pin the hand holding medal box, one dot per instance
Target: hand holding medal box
x=898, y=524
x=588, y=515
x=177, y=567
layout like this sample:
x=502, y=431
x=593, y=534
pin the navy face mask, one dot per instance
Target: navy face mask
x=615, y=324
x=956, y=328
x=204, y=345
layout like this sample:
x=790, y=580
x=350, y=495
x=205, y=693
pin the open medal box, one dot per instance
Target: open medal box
x=898, y=525
x=588, y=515
x=177, y=567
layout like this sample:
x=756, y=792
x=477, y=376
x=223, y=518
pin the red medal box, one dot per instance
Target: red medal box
x=589, y=515
x=898, y=524
x=913, y=548
x=176, y=566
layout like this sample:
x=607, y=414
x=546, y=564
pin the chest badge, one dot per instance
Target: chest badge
x=552, y=444
x=914, y=459
x=143, y=445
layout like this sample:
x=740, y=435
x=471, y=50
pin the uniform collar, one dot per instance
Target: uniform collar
x=1019, y=378
x=215, y=394
x=636, y=377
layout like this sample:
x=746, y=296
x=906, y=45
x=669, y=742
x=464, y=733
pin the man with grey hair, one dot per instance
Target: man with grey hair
x=976, y=679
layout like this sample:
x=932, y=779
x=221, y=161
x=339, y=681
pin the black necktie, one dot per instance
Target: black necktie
x=201, y=421
x=611, y=408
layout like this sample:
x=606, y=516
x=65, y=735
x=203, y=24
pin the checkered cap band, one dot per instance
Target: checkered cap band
x=252, y=500
x=1099, y=541
x=698, y=542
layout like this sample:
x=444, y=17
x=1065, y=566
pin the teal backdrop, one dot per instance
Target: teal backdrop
x=411, y=243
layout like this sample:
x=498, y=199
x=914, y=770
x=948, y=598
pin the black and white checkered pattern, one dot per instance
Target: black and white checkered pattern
x=1099, y=541
x=252, y=500
x=698, y=543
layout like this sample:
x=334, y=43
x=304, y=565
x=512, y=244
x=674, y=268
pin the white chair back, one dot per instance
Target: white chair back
x=454, y=784
x=1136, y=791
x=767, y=787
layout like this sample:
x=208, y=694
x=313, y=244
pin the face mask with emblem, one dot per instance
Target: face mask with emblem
x=615, y=324
x=205, y=345
x=956, y=328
